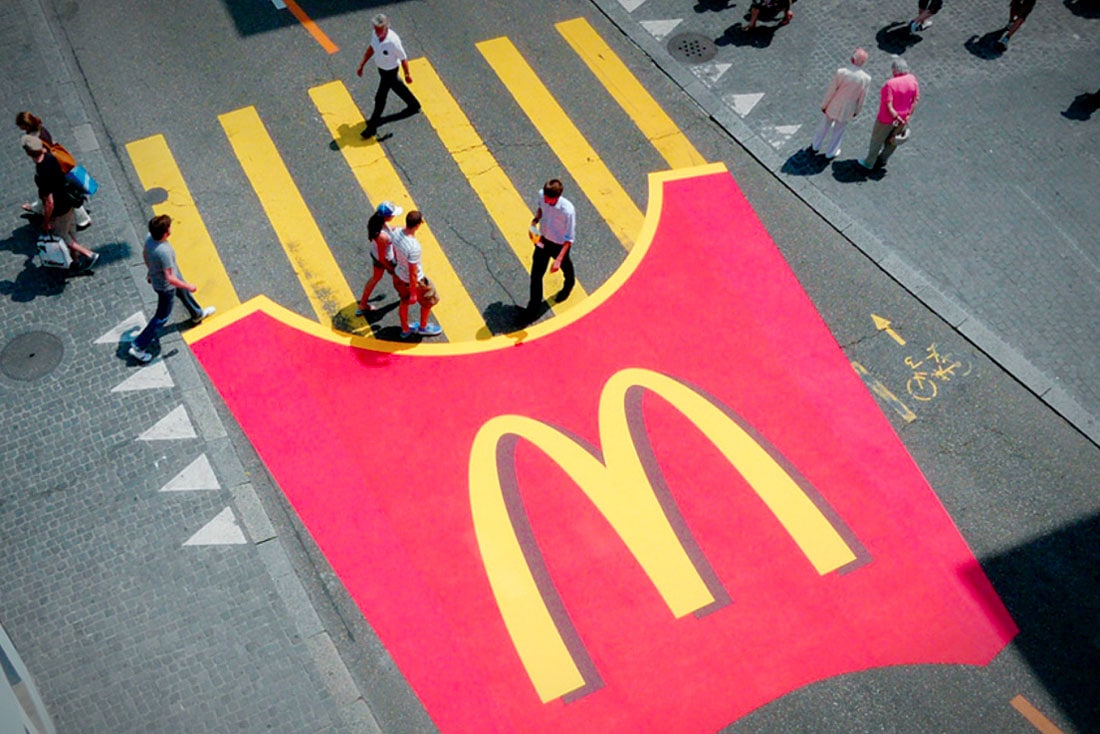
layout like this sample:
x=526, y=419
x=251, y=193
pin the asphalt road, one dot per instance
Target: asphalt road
x=1018, y=481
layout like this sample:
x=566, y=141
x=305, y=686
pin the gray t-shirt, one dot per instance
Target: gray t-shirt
x=159, y=256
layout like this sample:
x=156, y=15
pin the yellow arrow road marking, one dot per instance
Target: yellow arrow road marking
x=195, y=252
x=498, y=195
x=592, y=175
x=288, y=213
x=456, y=312
x=884, y=325
x=654, y=123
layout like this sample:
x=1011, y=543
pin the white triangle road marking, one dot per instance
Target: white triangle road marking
x=742, y=104
x=147, y=378
x=778, y=135
x=661, y=28
x=711, y=73
x=222, y=530
x=631, y=5
x=131, y=327
x=172, y=426
x=198, y=475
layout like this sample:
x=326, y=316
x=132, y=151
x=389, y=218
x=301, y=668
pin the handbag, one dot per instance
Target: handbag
x=63, y=156
x=899, y=135
x=80, y=176
x=52, y=251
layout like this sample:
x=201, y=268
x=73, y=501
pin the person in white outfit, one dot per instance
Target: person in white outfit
x=843, y=102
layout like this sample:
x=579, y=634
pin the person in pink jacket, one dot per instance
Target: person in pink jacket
x=897, y=101
x=843, y=102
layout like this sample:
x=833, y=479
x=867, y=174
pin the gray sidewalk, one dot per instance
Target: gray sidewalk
x=989, y=215
x=141, y=579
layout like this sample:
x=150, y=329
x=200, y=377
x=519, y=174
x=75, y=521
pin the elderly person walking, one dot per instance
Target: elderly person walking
x=897, y=100
x=843, y=102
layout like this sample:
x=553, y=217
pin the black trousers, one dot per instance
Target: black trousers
x=389, y=79
x=543, y=256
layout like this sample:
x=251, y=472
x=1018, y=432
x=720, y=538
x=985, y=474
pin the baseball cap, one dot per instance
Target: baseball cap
x=389, y=209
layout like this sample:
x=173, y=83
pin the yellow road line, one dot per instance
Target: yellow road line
x=291, y=219
x=507, y=209
x=312, y=28
x=578, y=157
x=1033, y=715
x=456, y=312
x=195, y=252
x=657, y=126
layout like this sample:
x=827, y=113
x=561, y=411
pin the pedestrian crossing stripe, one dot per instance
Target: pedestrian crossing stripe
x=509, y=212
x=456, y=312
x=596, y=181
x=329, y=294
x=196, y=254
x=294, y=225
x=625, y=88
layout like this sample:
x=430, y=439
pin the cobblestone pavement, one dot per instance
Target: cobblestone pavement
x=989, y=214
x=140, y=578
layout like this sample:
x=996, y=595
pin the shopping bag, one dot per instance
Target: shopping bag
x=52, y=251
x=80, y=176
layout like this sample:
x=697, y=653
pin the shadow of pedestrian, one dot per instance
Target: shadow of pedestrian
x=805, y=163
x=852, y=171
x=713, y=6
x=1083, y=106
x=738, y=34
x=1084, y=8
x=506, y=318
x=986, y=46
x=895, y=38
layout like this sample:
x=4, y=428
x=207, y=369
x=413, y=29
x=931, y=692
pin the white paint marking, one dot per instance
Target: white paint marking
x=631, y=5
x=128, y=329
x=199, y=475
x=153, y=376
x=742, y=104
x=279, y=4
x=172, y=426
x=778, y=135
x=222, y=530
x=711, y=73
x=661, y=28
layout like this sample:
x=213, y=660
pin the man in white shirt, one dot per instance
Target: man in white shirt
x=388, y=54
x=843, y=102
x=557, y=222
x=410, y=280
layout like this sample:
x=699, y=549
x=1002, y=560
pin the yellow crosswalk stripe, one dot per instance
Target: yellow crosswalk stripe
x=592, y=175
x=507, y=209
x=298, y=233
x=625, y=88
x=196, y=255
x=457, y=314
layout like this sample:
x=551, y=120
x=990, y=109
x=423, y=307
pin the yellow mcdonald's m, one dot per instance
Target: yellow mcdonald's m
x=627, y=489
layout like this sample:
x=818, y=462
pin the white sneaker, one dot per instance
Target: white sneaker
x=140, y=354
x=208, y=311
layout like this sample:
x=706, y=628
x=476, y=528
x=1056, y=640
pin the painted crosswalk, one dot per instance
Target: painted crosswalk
x=330, y=293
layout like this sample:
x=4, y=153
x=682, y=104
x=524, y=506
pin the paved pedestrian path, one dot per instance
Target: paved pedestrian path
x=989, y=214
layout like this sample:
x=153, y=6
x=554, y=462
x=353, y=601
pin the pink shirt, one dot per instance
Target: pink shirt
x=900, y=92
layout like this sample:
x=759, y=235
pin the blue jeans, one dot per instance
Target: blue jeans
x=164, y=310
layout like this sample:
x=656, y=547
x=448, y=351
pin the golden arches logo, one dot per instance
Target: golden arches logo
x=626, y=487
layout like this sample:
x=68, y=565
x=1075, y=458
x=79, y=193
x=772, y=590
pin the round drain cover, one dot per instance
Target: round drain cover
x=31, y=356
x=692, y=48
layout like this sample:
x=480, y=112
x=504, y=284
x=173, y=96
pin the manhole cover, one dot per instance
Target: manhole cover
x=692, y=48
x=31, y=356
